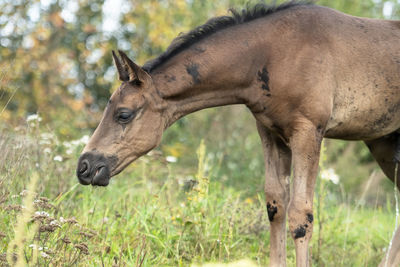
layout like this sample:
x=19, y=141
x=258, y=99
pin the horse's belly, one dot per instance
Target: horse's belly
x=366, y=119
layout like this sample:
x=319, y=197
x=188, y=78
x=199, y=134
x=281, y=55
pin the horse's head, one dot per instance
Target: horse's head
x=132, y=125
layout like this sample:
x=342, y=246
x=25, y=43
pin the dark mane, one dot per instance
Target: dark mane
x=213, y=25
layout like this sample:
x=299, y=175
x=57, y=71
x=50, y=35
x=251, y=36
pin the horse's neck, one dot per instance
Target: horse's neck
x=206, y=76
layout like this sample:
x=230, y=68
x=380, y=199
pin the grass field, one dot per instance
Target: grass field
x=159, y=213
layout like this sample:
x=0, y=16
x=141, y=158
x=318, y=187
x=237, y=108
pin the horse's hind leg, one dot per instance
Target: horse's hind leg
x=277, y=164
x=383, y=150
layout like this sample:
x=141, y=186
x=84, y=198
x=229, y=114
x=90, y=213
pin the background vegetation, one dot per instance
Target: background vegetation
x=166, y=209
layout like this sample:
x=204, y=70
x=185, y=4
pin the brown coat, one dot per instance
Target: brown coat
x=304, y=71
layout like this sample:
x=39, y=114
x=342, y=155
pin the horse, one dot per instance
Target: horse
x=305, y=72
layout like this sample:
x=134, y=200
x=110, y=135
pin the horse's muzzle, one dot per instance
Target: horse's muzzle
x=93, y=168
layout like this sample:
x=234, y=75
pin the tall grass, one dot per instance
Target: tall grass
x=157, y=213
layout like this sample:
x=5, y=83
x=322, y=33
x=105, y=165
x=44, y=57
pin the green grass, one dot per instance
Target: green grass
x=152, y=216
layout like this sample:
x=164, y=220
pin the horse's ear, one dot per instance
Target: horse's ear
x=135, y=72
x=122, y=73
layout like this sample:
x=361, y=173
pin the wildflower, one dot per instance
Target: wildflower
x=33, y=117
x=105, y=219
x=24, y=193
x=330, y=175
x=39, y=216
x=86, y=234
x=46, y=136
x=45, y=255
x=44, y=142
x=55, y=223
x=70, y=221
x=249, y=200
x=44, y=199
x=42, y=213
x=66, y=240
x=171, y=159
x=33, y=246
x=83, y=248
x=74, y=143
x=13, y=207
x=47, y=228
x=85, y=139
x=43, y=203
x=47, y=150
x=58, y=158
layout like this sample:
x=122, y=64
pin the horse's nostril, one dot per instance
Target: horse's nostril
x=84, y=167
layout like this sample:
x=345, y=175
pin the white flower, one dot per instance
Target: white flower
x=33, y=246
x=67, y=144
x=171, y=159
x=75, y=143
x=84, y=140
x=58, y=158
x=33, y=117
x=46, y=136
x=44, y=255
x=42, y=213
x=26, y=192
x=105, y=219
x=55, y=223
x=330, y=175
x=47, y=150
x=44, y=142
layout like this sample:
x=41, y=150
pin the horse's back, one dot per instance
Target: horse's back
x=365, y=58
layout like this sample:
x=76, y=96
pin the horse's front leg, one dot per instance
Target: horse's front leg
x=277, y=163
x=305, y=144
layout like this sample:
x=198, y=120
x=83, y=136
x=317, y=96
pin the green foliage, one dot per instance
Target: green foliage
x=55, y=61
x=148, y=216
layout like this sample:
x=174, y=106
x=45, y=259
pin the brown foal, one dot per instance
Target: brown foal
x=305, y=72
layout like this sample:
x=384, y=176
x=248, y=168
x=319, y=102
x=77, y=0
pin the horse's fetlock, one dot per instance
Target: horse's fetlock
x=272, y=210
x=300, y=232
x=310, y=217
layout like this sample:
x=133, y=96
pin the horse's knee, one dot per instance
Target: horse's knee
x=276, y=203
x=301, y=220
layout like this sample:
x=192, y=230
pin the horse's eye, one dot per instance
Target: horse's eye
x=124, y=115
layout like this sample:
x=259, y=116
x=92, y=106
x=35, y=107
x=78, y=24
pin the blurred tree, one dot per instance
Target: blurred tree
x=56, y=53
x=55, y=59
